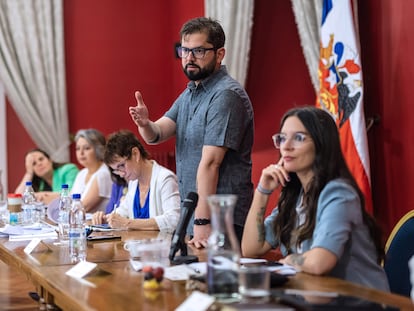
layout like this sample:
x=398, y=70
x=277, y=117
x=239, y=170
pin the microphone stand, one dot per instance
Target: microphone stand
x=184, y=258
x=178, y=237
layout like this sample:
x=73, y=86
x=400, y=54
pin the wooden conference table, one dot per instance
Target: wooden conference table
x=115, y=285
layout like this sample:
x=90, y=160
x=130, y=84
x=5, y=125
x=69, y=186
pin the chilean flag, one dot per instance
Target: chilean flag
x=341, y=88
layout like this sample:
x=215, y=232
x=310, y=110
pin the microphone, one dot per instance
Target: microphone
x=177, y=240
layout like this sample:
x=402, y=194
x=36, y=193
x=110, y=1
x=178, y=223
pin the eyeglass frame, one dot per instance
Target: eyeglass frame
x=180, y=49
x=120, y=168
x=295, y=143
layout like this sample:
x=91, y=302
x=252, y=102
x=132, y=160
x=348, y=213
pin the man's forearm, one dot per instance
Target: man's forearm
x=207, y=178
x=150, y=133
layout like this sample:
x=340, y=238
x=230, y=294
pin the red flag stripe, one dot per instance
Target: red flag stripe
x=355, y=164
x=341, y=91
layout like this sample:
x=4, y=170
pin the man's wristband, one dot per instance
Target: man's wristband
x=157, y=138
x=263, y=190
x=201, y=221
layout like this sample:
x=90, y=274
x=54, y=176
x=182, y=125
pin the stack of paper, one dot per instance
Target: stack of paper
x=183, y=272
x=20, y=233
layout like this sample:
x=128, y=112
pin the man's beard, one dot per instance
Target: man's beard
x=201, y=74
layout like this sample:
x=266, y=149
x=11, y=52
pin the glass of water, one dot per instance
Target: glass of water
x=254, y=283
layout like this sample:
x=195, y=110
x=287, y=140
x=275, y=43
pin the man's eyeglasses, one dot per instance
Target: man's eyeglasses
x=296, y=139
x=197, y=52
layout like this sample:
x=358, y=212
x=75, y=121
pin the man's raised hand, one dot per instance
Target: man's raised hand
x=139, y=113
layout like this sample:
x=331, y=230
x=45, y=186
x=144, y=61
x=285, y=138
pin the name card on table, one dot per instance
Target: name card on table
x=197, y=301
x=35, y=244
x=31, y=246
x=81, y=269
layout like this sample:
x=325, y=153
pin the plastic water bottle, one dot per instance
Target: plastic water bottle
x=65, y=204
x=29, y=207
x=77, y=230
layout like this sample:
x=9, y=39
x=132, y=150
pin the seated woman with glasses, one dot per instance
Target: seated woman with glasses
x=152, y=201
x=320, y=222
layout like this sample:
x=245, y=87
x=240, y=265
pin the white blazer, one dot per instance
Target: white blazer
x=164, y=201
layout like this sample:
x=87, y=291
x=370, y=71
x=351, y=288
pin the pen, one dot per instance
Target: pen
x=113, y=211
x=49, y=225
x=196, y=270
x=272, y=263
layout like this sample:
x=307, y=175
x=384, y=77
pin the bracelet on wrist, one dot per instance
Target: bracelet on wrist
x=157, y=138
x=201, y=221
x=263, y=190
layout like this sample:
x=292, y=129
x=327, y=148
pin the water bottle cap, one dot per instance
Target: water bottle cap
x=65, y=186
x=28, y=183
x=76, y=196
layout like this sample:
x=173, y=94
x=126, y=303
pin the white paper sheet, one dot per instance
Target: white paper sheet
x=20, y=233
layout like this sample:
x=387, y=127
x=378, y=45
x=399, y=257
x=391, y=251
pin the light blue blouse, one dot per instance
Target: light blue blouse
x=340, y=229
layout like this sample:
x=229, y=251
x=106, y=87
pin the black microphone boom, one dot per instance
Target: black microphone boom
x=177, y=240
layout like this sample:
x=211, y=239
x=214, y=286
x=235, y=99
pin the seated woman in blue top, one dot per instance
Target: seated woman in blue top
x=46, y=175
x=320, y=223
x=152, y=201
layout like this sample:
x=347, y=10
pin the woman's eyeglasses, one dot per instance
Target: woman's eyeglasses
x=296, y=139
x=119, y=168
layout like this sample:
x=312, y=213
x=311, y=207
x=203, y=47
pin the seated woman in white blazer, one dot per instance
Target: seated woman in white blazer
x=152, y=201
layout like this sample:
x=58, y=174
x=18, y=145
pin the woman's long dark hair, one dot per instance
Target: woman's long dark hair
x=329, y=164
x=37, y=181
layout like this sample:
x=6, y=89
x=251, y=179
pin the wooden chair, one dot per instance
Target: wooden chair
x=399, y=249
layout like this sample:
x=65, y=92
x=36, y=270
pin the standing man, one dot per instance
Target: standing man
x=212, y=120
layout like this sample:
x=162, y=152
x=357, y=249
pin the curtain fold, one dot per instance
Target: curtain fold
x=3, y=145
x=33, y=72
x=308, y=14
x=236, y=18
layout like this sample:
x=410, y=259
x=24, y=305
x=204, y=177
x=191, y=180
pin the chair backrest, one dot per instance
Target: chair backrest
x=399, y=249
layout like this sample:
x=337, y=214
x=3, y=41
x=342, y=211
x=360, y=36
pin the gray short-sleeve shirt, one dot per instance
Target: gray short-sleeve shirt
x=217, y=112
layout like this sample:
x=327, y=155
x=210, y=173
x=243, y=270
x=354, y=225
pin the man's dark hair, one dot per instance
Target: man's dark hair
x=213, y=29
